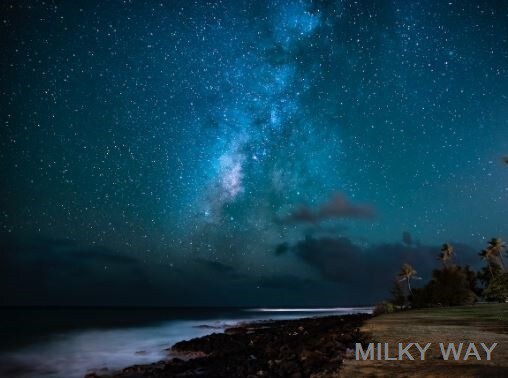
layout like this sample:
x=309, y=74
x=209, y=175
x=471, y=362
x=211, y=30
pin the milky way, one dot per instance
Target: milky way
x=175, y=133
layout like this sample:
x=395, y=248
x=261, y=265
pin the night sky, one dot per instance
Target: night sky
x=246, y=152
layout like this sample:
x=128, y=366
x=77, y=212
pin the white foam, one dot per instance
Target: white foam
x=348, y=310
x=73, y=354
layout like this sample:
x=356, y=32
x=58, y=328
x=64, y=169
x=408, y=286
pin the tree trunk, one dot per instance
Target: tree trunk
x=409, y=287
x=490, y=268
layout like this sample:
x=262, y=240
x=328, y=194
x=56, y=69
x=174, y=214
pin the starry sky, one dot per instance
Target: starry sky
x=246, y=152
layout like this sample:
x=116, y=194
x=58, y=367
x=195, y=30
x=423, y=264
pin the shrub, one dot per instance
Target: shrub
x=398, y=297
x=383, y=308
x=448, y=287
x=497, y=290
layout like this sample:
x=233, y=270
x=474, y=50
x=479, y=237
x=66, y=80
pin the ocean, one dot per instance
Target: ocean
x=71, y=342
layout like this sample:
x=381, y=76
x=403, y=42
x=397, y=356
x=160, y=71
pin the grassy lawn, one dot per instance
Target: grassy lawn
x=487, y=323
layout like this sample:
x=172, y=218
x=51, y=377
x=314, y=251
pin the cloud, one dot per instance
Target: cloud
x=319, y=271
x=368, y=272
x=51, y=251
x=407, y=239
x=218, y=267
x=215, y=266
x=282, y=248
x=104, y=255
x=286, y=281
x=335, y=208
x=45, y=271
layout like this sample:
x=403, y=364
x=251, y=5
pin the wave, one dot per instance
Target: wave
x=316, y=310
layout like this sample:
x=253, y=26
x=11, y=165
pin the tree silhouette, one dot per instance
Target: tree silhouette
x=446, y=254
x=496, y=247
x=408, y=273
x=398, y=297
x=486, y=254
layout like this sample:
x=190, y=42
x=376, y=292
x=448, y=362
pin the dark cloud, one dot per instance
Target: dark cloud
x=42, y=241
x=367, y=272
x=287, y=281
x=325, y=229
x=335, y=208
x=104, y=255
x=282, y=248
x=57, y=251
x=326, y=270
x=44, y=271
x=215, y=266
x=218, y=267
x=407, y=239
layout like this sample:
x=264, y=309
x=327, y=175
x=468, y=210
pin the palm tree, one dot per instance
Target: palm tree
x=497, y=247
x=446, y=253
x=408, y=273
x=486, y=255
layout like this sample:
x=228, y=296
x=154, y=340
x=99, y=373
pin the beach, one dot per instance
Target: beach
x=480, y=323
x=73, y=342
x=286, y=348
x=325, y=346
x=260, y=343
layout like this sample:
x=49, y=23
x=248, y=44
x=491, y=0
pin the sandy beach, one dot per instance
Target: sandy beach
x=487, y=323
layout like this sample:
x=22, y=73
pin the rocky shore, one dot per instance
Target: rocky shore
x=291, y=348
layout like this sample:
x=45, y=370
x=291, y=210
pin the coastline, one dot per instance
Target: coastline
x=324, y=346
x=287, y=348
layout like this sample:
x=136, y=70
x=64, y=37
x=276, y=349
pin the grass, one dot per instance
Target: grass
x=487, y=323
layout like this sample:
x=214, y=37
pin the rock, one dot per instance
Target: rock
x=312, y=360
x=235, y=330
x=290, y=348
x=289, y=367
